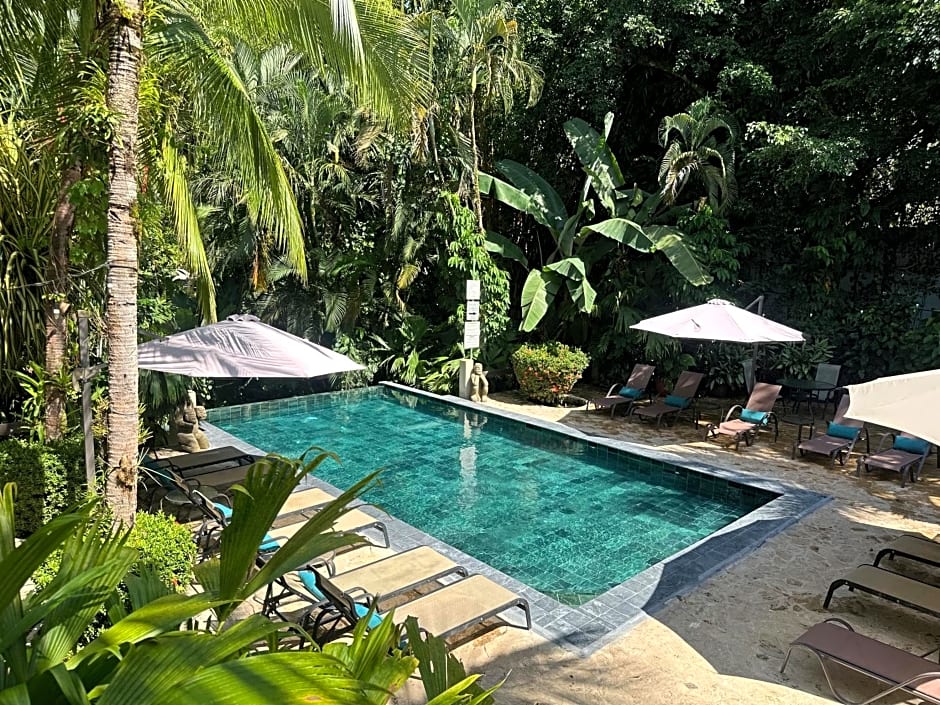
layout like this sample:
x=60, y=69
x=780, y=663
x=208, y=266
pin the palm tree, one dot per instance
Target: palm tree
x=490, y=66
x=372, y=45
x=698, y=142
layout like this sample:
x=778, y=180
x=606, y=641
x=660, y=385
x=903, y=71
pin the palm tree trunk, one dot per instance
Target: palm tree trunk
x=124, y=55
x=477, y=199
x=57, y=274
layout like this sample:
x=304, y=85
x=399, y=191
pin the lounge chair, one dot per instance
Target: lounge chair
x=906, y=456
x=629, y=393
x=445, y=612
x=758, y=414
x=681, y=400
x=839, y=439
x=195, y=464
x=834, y=640
x=894, y=587
x=380, y=580
x=353, y=521
x=916, y=548
x=216, y=516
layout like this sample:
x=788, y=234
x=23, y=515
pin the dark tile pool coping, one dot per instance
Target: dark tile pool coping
x=588, y=627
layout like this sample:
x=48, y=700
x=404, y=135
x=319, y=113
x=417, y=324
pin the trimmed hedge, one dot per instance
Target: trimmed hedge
x=49, y=478
x=548, y=371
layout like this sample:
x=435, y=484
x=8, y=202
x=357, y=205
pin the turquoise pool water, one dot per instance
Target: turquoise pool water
x=569, y=518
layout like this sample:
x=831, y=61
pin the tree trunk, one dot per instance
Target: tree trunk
x=57, y=274
x=124, y=55
x=477, y=199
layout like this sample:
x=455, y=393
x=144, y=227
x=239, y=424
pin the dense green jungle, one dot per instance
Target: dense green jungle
x=633, y=158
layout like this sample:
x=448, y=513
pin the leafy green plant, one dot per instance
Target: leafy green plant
x=799, y=360
x=49, y=478
x=145, y=650
x=725, y=373
x=548, y=371
x=165, y=546
x=34, y=386
x=634, y=222
x=666, y=353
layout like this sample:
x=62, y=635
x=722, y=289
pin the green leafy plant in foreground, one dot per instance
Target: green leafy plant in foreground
x=149, y=652
x=548, y=371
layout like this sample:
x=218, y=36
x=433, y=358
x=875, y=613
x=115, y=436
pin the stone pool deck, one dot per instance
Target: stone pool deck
x=724, y=642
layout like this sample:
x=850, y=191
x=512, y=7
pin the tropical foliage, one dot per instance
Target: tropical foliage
x=548, y=371
x=156, y=645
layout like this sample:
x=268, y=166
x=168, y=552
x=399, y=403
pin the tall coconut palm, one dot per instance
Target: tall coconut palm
x=490, y=62
x=699, y=143
x=367, y=40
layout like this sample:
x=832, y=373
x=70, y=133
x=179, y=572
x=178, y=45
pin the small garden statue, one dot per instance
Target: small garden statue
x=189, y=436
x=479, y=387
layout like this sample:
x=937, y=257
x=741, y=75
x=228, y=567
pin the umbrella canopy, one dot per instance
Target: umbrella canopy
x=904, y=403
x=240, y=346
x=719, y=320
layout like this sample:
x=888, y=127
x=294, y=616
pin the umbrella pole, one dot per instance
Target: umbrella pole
x=760, y=312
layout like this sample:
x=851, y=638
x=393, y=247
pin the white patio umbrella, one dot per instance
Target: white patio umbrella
x=904, y=403
x=719, y=320
x=241, y=346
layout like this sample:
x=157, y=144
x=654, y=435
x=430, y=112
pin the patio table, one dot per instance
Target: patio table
x=803, y=389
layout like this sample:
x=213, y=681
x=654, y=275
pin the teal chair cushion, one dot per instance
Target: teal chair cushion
x=839, y=431
x=680, y=402
x=310, y=582
x=630, y=392
x=268, y=543
x=911, y=445
x=759, y=417
x=374, y=621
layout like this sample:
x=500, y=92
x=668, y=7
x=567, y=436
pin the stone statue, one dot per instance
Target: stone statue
x=189, y=436
x=479, y=387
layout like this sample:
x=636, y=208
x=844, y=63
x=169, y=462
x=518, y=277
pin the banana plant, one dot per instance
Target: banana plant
x=634, y=222
x=151, y=651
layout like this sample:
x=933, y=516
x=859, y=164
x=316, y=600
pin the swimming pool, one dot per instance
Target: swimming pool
x=567, y=517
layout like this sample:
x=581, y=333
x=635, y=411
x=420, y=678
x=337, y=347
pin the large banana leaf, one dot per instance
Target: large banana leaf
x=516, y=198
x=575, y=274
x=598, y=162
x=544, y=199
x=539, y=291
x=669, y=242
x=502, y=245
x=655, y=238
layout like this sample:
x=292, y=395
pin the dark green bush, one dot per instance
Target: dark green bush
x=548, y=371
x=49, y=478
x=165, y=547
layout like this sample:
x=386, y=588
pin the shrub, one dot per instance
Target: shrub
x=49, y=478
x=548, y=371
x=166, y=548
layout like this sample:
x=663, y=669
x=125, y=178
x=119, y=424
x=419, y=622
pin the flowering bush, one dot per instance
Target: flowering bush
x=548, y=371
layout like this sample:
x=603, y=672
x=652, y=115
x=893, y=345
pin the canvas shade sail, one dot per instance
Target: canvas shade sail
x=719, y=320
x=241, y=346
x=903, y=403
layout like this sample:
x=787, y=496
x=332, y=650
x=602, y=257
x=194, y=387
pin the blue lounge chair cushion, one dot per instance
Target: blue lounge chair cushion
x=310, y=582
x=630, y=392
x=911, y=445
x=268, y=543
x=758, y=417
x=681, y=402
x=839, y=431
